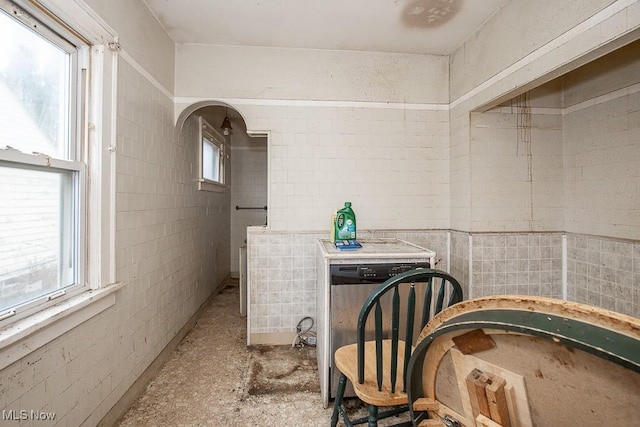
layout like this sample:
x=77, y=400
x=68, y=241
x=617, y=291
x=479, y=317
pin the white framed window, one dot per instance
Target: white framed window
x=212, y=156
x=57, y=109
x=42, y=175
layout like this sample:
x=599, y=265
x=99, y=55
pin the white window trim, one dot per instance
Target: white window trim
x=207, y=184
x=27, y=334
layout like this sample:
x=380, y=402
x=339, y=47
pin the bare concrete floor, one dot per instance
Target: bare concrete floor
x=214, y=379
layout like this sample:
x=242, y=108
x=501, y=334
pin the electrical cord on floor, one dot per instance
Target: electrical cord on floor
x=304, y=337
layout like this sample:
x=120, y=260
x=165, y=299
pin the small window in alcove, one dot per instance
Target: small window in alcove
x=212, y=157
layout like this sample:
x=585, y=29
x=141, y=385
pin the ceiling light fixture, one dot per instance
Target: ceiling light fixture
x=226, y=125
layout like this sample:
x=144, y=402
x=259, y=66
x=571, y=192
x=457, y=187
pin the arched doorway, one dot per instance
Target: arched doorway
x=246, y=170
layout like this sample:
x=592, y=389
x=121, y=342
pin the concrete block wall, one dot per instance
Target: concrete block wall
x=391, y=163
x=170, y=237
x=337, y=132
x=460, y=167
x=584, y=182
x=172, y=240
x=516, y=173
x=602, y=154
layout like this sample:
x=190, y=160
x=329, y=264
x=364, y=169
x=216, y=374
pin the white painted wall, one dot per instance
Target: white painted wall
x=602, y=146
x=582, y=177
x=248, y=189
x=390, y=161
x=140, y=36
x=602, y=167
x=209, y=71
x=583, y=31
x=520, y=28
x=172, y=240
x=516, y=186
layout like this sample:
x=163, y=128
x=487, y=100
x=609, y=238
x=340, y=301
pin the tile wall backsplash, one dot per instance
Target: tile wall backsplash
x=604, y=272
x=282, y=280
x=460, y=260
x=601, y=272
x=517, y=263
x=282, y=275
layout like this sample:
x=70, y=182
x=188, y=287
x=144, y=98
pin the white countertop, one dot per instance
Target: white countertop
x=376, y=248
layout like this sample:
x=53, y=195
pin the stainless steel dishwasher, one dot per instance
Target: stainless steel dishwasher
x=351, y=284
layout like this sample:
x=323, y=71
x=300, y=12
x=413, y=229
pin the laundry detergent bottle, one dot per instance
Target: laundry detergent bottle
x=345, y=223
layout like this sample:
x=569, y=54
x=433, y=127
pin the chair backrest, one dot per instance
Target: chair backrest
x=440, y=291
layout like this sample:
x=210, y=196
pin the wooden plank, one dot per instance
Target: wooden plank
x=473, y=342
x=464, y=363
x=481, y=387
x=483, y=421
x=476, y=382
x=511, y=405
x=426, y=404
x=471, y=391
x=430, y=423
x=498, y=401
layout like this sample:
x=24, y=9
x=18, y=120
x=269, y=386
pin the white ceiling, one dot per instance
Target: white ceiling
x=400, y=26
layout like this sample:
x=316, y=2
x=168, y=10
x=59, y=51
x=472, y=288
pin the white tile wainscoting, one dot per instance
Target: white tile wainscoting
x=600, y=271
x=604, y=272
x=282, y=276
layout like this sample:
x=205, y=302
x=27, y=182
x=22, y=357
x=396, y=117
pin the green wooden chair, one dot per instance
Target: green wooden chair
x=376, y=367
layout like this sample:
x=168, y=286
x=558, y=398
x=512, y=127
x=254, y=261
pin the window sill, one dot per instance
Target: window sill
x=27, y=335
x=206, y=185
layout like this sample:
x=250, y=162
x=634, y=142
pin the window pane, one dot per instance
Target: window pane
x=34, y=89
x=37, y=238
x=210, y=161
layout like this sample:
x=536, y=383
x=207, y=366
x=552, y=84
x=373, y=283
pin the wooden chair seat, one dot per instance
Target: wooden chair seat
x=346, y=360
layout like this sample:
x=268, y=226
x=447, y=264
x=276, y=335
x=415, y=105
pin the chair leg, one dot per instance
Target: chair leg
x=373, y=416
x=342, y=384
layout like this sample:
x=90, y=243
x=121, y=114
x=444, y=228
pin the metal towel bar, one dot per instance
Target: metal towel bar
x=248, y=207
